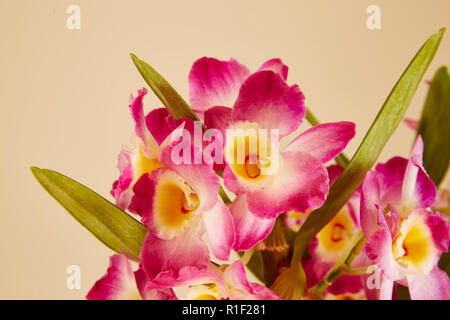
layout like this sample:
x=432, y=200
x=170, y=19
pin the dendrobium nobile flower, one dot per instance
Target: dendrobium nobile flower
x=405, y=236
x=267, y=181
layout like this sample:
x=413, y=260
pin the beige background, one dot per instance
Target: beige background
x=64, y=94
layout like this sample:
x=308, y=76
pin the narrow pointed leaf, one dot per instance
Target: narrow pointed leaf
x=365, y=157
x=112, y=226
x=435, y=126
x=175, y=104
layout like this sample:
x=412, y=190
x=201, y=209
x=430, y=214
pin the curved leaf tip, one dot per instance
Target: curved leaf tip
x=112, y=226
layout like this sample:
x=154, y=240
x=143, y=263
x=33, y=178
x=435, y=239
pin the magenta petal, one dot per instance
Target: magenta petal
x=434, y=286
x=152, y=294
x=440, y=230
x=114, y=285
x=324, y=141
x=250, y=229
x=370, y=201
x=161, y=124
x=121, y=190
x=346, y=284
x=220, y=230
x=418, y=188
x=218, y=118
x=391, y=173
x=277, y=66
x=425, y=191
x=172, y=255
x=187, y=276
x=265, y=98
x=137, y=111
x=142, y=201
x=215, y=83
x=333, y=172
x=301, y=184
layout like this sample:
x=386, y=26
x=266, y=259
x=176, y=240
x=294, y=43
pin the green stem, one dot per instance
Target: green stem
x=351, y=271
x=224, y=197
x=311, y=118
x=346, y=259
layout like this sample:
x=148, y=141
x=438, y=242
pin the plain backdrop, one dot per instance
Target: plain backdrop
x=64, y=96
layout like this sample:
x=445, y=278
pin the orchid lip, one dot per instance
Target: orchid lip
x=413, y=247
x=190, y=203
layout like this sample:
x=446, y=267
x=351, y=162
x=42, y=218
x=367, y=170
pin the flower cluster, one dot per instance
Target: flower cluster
x=172, y=183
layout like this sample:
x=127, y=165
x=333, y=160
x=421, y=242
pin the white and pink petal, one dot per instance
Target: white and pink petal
x=159, y=256
x=250, y=229
x=300, y=185
x=220, y=229
x=214, y=83
x=266, y=99
x=324, y=141
x=117, y=284
x=149, y=144
x=277, y=66
x=433, y=286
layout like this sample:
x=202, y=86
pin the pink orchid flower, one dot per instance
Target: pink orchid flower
x=329, y=246
x=443, y=198
x=178, y=203
x=227, y=282
x=405, y=238
x=228, y=97
x=121, y=283
x=150, y=139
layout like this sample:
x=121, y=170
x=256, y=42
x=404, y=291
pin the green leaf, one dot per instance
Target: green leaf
x=112, y=226
x=175, y=104
x=435, y=126
x=365, y=157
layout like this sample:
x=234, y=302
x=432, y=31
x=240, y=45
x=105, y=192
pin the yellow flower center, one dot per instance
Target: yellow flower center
x=413, y=247
x=248, y=152
x=142, y=164
x=335, y=235
x=174, y=207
